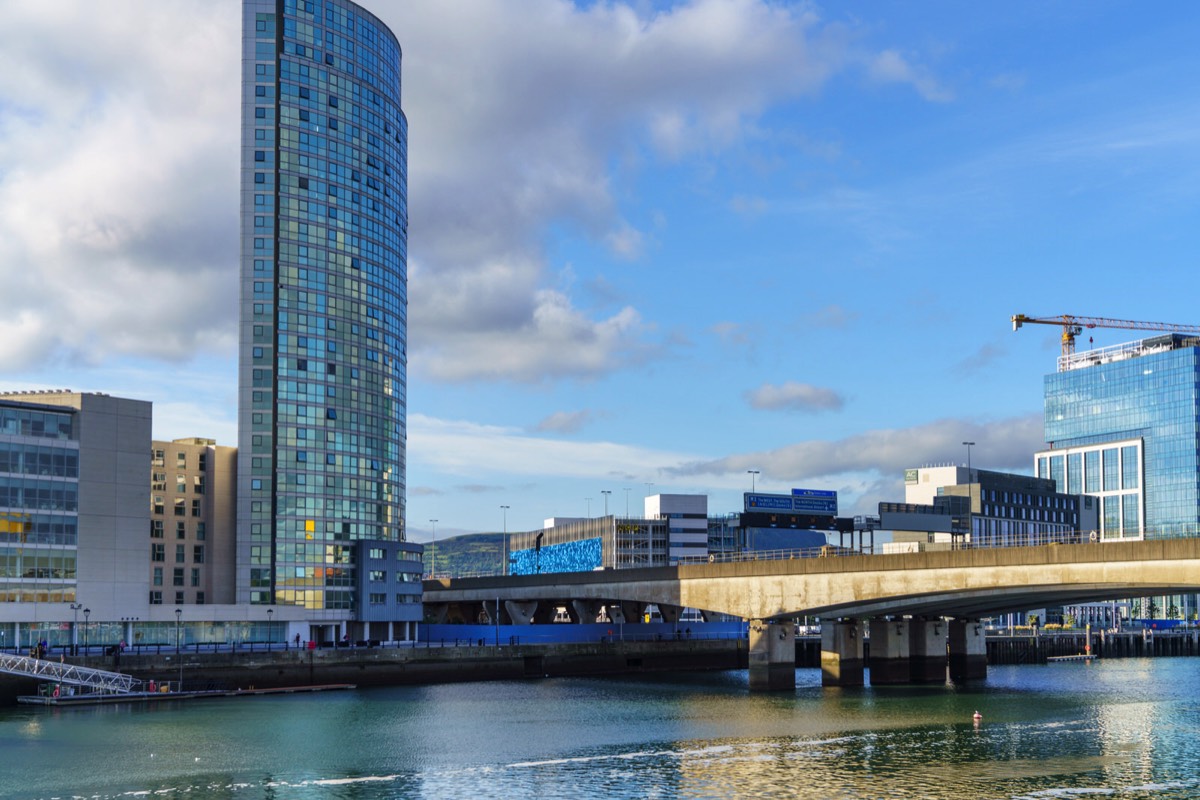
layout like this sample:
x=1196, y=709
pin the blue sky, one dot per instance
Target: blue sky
x=658, y=243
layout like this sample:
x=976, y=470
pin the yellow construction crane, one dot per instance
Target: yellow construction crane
x=1072, y=326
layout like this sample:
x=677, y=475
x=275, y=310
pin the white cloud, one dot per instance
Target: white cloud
x=118, y=166
x=793, y=396
x=564, y=422
x=118, y=163
x=1004, y=444
x=470, y=449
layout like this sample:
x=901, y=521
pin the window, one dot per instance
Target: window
x=180, y=529
x=158, y=576
x=198, y=484
x=377, y=599
x=158, y=504
x=156, y=598
x=180, y=507
x=195, y=576
x=198, y=554
x=179, y=553
x=158, y=482
x=177, y=576
x=181, y=460
x=200, y=531
x=180, y=484
x=376, y=553
x=199, y=598
x=377, y=576
x=179, y=598
x=195, y=508
x=156, y=529
x=158, y=552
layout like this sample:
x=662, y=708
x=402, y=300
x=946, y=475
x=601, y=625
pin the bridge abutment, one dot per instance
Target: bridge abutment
x=968, y=650
x=772, y=655
x=841, y=653
x=927, y=650
x=890, y=655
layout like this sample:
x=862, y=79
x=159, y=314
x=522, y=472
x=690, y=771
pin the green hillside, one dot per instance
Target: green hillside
x=470, y=554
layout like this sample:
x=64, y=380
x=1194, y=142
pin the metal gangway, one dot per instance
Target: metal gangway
x=95, y=680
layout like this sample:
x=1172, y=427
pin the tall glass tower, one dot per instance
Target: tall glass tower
x=321, y=376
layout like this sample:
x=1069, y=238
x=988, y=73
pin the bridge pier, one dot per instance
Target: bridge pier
x=890, y=654
x=927, y=650
x=841, y=653
x=586, y=610
x=772, y=655
x=521, y=612
x=968, y=650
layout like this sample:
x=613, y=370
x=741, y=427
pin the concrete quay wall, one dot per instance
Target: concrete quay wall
x=367, y=666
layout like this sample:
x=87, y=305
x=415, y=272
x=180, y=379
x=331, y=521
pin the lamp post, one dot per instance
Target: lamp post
x=648, y=485
x=75, y=628
x=753, y=473
x=87, y=613
x=626, y=502
x=589, y=502
x=970, y=480
x=606, y=493
x=270, y=628
x=433, y=555
x=504, y=568
x=178, y=657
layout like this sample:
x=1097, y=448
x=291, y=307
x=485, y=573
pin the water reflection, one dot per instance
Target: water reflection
x=1115, y=728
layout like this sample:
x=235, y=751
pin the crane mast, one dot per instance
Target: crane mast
x=1073, y=325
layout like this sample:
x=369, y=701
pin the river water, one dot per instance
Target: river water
x=1120, y=728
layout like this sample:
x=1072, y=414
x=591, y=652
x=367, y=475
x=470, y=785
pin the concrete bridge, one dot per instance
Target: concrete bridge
x=918, y=607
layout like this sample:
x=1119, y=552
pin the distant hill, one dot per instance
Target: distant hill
x=469, y=554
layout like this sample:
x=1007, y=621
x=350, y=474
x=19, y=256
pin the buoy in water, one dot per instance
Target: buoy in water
x=977, y=716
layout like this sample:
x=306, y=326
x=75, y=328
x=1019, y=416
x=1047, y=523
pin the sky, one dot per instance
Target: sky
x=653, y=246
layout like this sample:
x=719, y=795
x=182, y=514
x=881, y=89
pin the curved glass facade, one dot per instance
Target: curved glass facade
x=323, y=299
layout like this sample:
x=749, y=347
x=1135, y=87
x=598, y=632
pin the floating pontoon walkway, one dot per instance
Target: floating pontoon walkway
x=94, y=699
x=93, y=680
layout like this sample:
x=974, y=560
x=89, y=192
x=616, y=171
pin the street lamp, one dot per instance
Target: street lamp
x=178, y=657
x=589, y=502
x=270, y=629
x=504, y=569
x=753, y=473
x=606, y=493
x=433, y=555
x=87, y=613
x=626, y=502
x=970, y=480
x=75, y=629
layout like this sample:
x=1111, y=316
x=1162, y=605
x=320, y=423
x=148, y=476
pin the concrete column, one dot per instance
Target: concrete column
x=586, y=611
x=772, y=655
x=492, y=609
x=927, y=650
x=841, y=653
x=890, y=652
x=634, y=611
x=521, y=611
x=968, y=650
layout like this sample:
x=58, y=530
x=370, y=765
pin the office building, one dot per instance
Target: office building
x=1122, y=424
x=73, y=512
x=321, y=453
x=947, y=504
x=192, y=522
